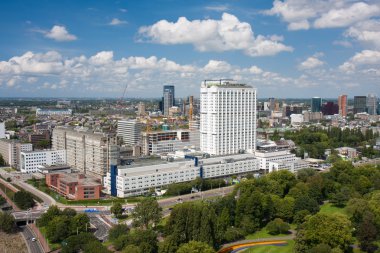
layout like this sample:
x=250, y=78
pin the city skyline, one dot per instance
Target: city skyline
x=93, y=50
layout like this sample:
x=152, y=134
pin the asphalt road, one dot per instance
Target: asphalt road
x=101, y=227
x=34, y=247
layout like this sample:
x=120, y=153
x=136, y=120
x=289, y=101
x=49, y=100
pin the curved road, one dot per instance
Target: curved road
x=33, y=247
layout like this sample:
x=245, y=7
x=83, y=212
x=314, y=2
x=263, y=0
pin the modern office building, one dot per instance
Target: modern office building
x=53, y=112
x=330, y=108
x=2, y=130
x=160, y=142
x=11, y=150
x=227, y=117
x=342, y=103
x=360, y=104
x=372, y=104
x=168, y=98
x=74, y=186
x=88, y=152
x=316, y=104
x=137, y=179
x=31, y=161
x=129, y=131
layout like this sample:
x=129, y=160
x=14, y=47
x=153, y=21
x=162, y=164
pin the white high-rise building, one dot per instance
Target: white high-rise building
x=2, y=130
x=32, y=160
x=129, y=131
x=228, y=117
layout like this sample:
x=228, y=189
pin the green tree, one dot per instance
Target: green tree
x=117, y=230
x=7, y=222
x=2, y=200
x=79, y=223
x=195, y=247
x=284, y=208
x=132, y=249
x=306, y=203
x=24, y=199
x=49, y=215
x=147, y=213
x=233, y=234
x=58, y=229
x=367, y=233
x=117, y=209
x=333, y=230
x=277, y=226
x=69, y=212
x=2, y=161
x=85, y=242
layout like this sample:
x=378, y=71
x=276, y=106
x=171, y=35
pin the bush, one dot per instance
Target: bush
x=277, y=226
x=24, y=199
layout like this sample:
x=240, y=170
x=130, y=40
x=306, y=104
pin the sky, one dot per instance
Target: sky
x=284, y=48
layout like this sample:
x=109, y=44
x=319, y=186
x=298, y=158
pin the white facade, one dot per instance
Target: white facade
x=267, y=157
x=293, y=166
x=372, y=104
x=2, y=130
x=31, y=161
x=228, y=117
x=296, y=119
x=53, y=112
x=129, y=131
x=139, y=180
x=11, y=149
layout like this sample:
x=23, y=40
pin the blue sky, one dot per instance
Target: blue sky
x=285, y=48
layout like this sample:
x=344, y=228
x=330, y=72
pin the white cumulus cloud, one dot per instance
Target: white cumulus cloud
x=366, y=32
x=214, y=35
x=60, y=33
x=305, y=14
x=363, y=58
x=310, y=63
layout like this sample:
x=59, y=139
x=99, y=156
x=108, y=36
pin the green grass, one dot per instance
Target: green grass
x=329, y=208
x=263, y=233
x=272, y=249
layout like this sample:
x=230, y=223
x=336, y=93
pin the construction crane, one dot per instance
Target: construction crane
x=118, y=103
x=191, y=101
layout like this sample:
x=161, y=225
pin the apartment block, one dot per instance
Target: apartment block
x=11, y=150
x=88, y=152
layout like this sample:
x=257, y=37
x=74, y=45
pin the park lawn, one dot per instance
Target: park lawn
x=329, y=208
x=272, y=249
x=263, y=233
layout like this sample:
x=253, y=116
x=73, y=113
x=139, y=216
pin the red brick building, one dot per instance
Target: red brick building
x=74, y=186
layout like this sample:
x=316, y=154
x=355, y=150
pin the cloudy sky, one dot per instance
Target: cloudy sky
x=285, y=48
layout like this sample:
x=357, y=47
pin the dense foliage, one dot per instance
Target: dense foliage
x=279, y=198
x=314, y=140
x=24, y=200
x=198, y=184
x=7, y=222
x=62, y=224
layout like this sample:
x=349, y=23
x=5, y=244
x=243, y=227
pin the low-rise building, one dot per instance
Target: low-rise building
x=347, y=152
x=74, y=186
x=53, y=112
x=159, y=142
x=31, y=161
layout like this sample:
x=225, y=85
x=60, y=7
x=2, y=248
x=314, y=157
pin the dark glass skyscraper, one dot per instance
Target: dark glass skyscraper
x=360, y=104
x=316, y=104
x=168, y=98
